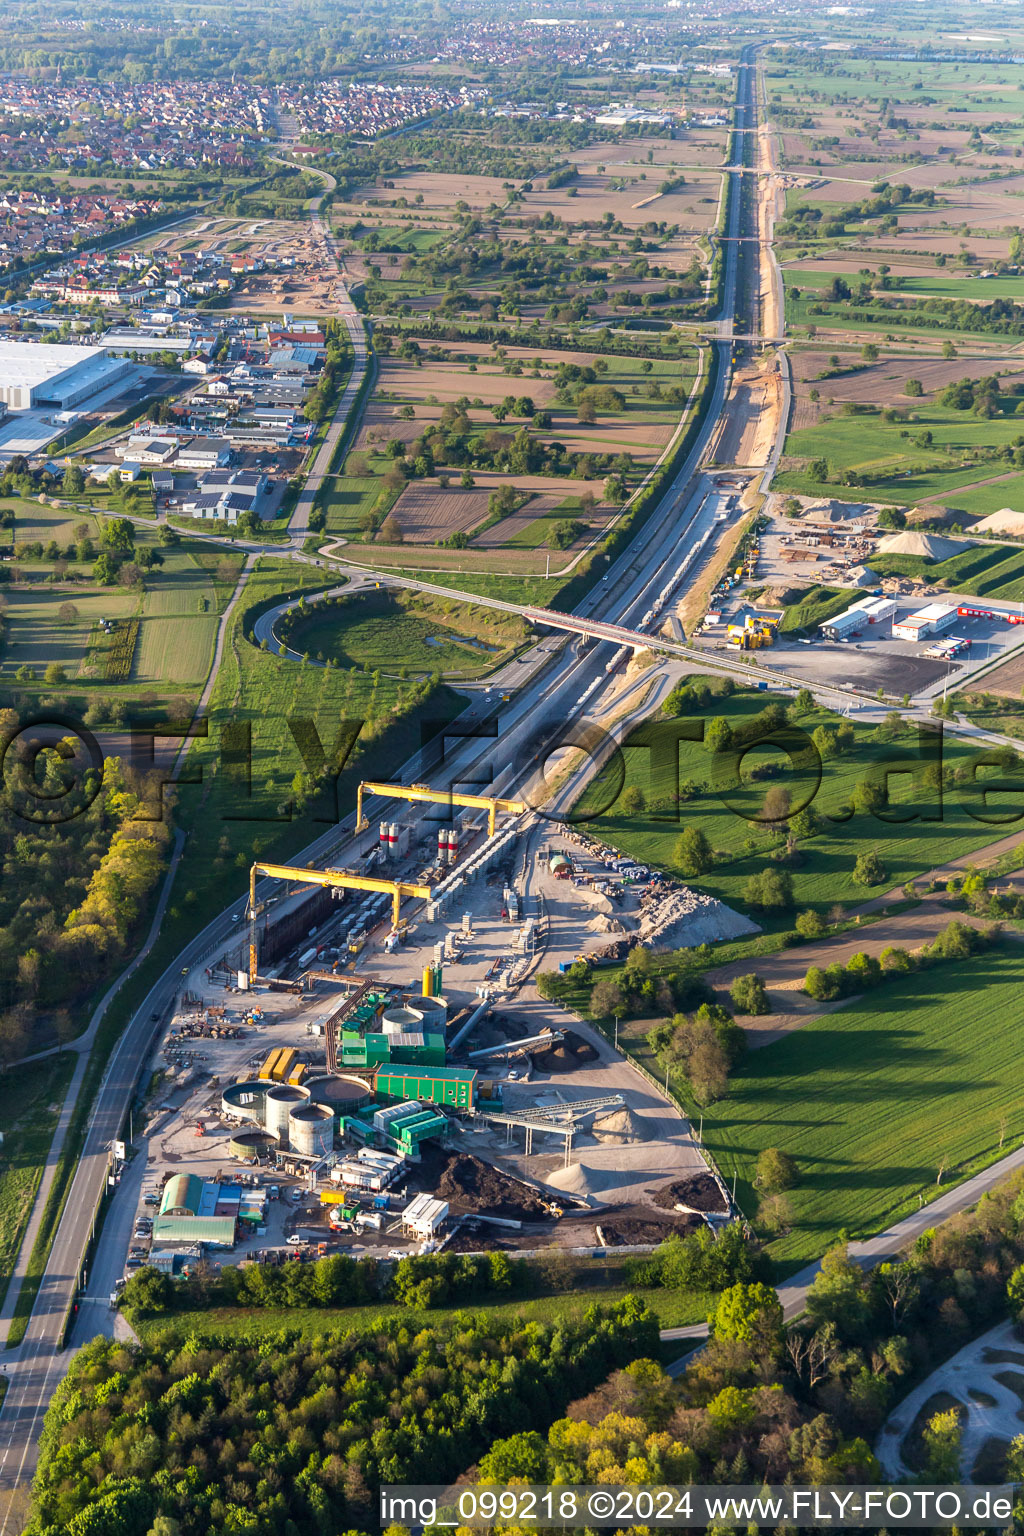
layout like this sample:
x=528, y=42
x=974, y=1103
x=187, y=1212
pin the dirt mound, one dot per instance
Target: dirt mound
x=567, y=1055
x=927, y=544
x=698, y=1190
x=1006, y=520
x=469, y=1184
x=942, y=517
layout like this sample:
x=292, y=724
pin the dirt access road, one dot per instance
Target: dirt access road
x=783, y=973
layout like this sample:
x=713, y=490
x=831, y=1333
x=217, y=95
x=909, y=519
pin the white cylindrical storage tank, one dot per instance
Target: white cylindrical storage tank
x=278, y=1105
x=401, y=1021
x=245, y=1100
x=433, y=1011
x=311, y=1130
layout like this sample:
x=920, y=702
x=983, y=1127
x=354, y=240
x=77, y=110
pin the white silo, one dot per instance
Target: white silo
x=311, y=1130
x=278, y=1105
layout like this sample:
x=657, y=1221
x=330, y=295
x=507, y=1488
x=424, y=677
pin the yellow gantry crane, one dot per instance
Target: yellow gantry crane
x=423, y=792
x=396, y=889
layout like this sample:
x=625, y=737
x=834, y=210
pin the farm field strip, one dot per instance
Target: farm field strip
x=874, y=1099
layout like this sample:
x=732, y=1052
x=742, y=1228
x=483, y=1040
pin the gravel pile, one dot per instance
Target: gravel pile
x=675, y=917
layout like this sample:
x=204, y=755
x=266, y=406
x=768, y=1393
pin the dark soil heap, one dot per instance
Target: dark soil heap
x=566, y=1055
x=698, y=1190
x=472, y=1185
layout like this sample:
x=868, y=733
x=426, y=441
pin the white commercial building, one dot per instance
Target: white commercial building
x=38, y=374
x=869, y=610
x=927, y=621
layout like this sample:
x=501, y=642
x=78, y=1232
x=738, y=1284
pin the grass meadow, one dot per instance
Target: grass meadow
x=874, y=1099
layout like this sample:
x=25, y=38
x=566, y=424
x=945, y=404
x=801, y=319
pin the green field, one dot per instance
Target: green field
x=861, y=81
x=346, y=499
x=179, y=624
x=985, y=499
x=973, y=289
x=376, y=630
x=29, y=1101
x=822, y=871
x=36, y=637
x=34, y=521
x=871, y=1099
x=884, y=460
x=535, y=534
x=178, y=614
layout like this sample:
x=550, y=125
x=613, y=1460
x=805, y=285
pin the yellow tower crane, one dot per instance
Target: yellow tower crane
x=422, y=792
x=396, y=889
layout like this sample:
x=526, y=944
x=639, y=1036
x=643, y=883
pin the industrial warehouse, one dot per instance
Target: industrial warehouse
x=358, y=1072
x=55, y=375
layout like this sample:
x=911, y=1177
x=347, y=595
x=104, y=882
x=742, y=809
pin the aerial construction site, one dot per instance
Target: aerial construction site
x=369, y=1067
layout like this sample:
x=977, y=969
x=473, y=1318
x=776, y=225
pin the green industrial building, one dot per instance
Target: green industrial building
x=191, y=1212
x=434, y=1085
x=418, y=1049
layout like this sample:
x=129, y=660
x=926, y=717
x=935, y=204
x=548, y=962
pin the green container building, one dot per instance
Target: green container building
x=435, y=1085
x=430, y=1054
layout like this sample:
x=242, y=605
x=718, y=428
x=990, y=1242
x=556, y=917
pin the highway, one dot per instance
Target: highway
x=551, y=696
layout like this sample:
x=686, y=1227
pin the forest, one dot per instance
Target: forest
x=283, y=1435
x=763, y=1401
x=72, y=892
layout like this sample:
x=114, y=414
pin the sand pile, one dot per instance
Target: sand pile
x=473, y=1185
x=1006, y=520
x=930, y=545
x=698, y=1191
x=567, y=1055
x=584, y=1181
x=604, y=924
x=620, y=1127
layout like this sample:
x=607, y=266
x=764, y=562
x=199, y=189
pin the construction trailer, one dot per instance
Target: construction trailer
x=930, y=620
x=454, y=1086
